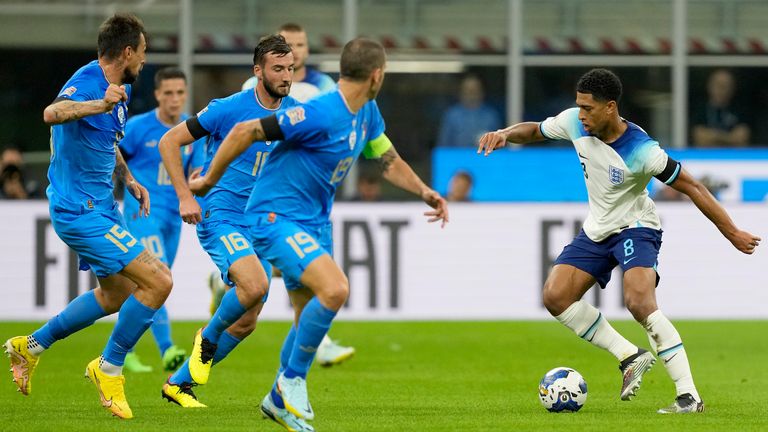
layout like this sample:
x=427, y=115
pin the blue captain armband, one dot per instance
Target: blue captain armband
x=671, y=172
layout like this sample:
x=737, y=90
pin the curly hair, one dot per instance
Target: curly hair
x=602, y=84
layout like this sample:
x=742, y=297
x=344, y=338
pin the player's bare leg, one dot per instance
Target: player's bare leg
x=640, y=298
x=563, y=290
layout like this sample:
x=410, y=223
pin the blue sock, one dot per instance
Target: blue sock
x=132, y=321
x=161, y=329
x=285, y=352
x=227, y=343
x=314, y=323
x=181, y=375
x=79, y=314
x=229, y=311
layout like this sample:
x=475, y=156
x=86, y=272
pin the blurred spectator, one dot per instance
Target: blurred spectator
x=368, y=187
x=717, y=124
x=12, y=183
x=464, y=123
x=460, y=187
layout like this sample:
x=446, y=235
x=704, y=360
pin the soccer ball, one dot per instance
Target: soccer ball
x=563, y=389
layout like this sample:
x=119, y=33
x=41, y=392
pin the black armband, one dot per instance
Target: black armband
x=272, y=131
x=195, y=128
x=671, y=172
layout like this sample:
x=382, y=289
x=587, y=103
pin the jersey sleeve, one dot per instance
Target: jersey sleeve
x=564, y=126
x=658, y=164
x=303, y=124
x=80, y=88
x=212, y=116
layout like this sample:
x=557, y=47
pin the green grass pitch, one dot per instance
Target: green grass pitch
x=411, y=376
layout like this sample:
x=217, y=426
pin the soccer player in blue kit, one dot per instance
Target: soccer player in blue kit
x=220, y=226
x=291, y=202
x=160, y=232
x=618, y=159
x=88, y=119
x=308, y=82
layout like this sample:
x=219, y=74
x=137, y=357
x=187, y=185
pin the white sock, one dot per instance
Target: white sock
x=669, y=347
x=33, y=346
x=110, y=369
x=587, y=322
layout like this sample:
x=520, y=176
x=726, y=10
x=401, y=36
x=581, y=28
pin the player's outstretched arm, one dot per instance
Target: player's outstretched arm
x=400, y=174
x=64, y=110
x=136, y=190
x=700, y=195
x=520, y=133
x=237, y=141
x=170, y=151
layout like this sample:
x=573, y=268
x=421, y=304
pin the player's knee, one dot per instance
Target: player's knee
x=336, y=294
x=162, y=283
x=553, y=299
x=253, y=290
x=639, y=306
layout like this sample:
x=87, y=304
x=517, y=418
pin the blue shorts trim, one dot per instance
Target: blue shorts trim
x=632, y=247
x=226, y=243
x=290, y=246
x=99, y=236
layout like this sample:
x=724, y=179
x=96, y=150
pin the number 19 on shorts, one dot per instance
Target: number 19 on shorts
x=302, y=243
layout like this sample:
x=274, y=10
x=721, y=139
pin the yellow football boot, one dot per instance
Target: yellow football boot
x=111, y=390
x=23, y=363
x=201, y=360
x=181, y=395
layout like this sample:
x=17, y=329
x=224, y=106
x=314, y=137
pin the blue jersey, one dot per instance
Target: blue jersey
x=142, y=134
x=227, y=199
x=83, y=151
x=322, y=139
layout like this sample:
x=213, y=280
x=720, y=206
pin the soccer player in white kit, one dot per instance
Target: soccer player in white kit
x=618, y=159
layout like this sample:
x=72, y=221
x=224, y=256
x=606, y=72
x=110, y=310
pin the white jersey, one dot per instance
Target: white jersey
x=616, y=175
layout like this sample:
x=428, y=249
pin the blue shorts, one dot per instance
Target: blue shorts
x=225, y=243
x=289, y=246
x=159, y=233
x=632, y=247
x=99, y=236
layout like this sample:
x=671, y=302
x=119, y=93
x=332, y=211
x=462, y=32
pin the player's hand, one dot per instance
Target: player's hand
x=438, y=203
x=142, y=196
x=745, y=242
x=194, y=174
x=198, y=184
x=190, y=210
x=490, y=141
x=114, y=95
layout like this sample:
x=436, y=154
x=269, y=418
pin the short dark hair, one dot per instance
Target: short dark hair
x=274, y=44
x=360, y=58
x=602, y=84
x=117, y=32
x=291, y=28
x=170, y=72
x=465, y=175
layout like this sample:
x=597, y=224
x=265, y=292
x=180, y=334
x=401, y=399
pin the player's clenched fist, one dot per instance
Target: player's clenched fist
x=490, y=141
x=745, y=242
x=114, y=95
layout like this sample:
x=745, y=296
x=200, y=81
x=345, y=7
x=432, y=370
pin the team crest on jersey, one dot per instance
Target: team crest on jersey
x=69, y=91
x=616, y=175
x=121, y=114
x=151, y=144
x=295, y=115
x=352, y=140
